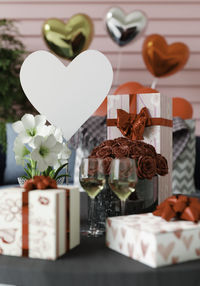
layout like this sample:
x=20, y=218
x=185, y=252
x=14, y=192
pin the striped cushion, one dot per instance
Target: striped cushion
x=184, y=165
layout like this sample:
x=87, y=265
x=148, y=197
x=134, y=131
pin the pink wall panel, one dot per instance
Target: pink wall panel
x=178, y=20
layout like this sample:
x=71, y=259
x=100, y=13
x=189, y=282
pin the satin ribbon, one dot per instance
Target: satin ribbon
x=132, y=125
x=25, y=220
x=25, y=229
x=179, y=207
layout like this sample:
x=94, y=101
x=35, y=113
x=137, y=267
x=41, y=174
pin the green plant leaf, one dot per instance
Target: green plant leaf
x=61, y=176
x=25, y=177
x=28, y=173
x=58, y=170
x=29, y=167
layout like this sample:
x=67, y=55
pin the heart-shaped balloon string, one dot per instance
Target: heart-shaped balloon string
x=125, y=28
x=69, y=39
x=67, y=96
x=162, y=59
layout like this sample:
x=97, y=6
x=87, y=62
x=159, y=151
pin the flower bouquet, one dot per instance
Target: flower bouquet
x=40, y=148
x=149, y=164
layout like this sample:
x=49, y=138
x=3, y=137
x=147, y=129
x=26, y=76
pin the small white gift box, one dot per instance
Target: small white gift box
x=152, y=240
x=41, y=223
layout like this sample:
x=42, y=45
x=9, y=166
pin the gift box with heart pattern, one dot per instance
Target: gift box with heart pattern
x=152, y=240
x=159, y=106
x=45, y=226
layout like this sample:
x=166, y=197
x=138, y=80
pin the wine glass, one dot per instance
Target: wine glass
x=92, y=179
x=122, y=179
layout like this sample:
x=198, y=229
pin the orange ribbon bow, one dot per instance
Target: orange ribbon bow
x=179, y=207
x=133, y=125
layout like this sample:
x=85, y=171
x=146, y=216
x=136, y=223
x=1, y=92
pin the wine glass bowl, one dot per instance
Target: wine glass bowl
x=122, y=179
x=92, y=180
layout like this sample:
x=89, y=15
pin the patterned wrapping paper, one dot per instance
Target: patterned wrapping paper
x=159, y=136
x=153, y=241
x=48, y=210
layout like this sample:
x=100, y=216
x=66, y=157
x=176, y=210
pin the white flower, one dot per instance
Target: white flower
x=20, y=151
x=57, y=132
x=29, y=127
x=63, y=156
x=46, y=152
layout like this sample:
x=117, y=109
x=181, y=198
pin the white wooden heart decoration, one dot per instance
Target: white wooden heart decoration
x=67, y=96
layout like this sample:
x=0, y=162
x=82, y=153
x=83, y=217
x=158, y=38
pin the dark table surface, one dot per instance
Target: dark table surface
x=92, y=264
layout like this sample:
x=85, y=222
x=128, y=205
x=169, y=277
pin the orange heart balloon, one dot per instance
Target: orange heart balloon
x=133, y=87
x=125, y=88
x=162, y=59
x=182, y=108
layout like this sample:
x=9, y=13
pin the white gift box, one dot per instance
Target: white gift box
x=159, y=106
x=53, y=222
x=152, y=240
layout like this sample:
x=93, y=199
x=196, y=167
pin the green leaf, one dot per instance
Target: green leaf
x=58, y=170
x=28, y=173
x=48, y=170
x=29, y=167
x=61, y=176
x=25, y=177
x=51, y=174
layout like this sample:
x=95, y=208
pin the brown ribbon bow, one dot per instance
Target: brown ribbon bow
x=179, y=207
x=132, y=125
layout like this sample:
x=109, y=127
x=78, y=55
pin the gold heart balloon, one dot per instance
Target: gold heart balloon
x=67, y=40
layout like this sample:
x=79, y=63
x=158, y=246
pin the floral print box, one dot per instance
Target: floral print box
x=41, y=223
x=152, y=240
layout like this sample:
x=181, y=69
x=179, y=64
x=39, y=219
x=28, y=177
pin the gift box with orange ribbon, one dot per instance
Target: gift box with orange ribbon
x=145, y=117
x=170, y=235
x=39, y=223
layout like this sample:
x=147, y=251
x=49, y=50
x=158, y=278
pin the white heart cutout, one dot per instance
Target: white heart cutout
x=67, y=96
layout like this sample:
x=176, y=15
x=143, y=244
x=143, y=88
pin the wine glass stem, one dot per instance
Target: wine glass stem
x=123, y=204
x=92, y=226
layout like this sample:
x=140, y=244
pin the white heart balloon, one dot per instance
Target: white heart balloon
x=67, y=96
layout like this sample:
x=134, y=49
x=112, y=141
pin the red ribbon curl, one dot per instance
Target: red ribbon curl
x=179, y=207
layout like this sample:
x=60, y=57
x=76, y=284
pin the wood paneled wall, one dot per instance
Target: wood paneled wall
x=177, y=20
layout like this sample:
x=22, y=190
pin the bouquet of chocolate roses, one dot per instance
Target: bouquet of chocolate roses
x=148, y=162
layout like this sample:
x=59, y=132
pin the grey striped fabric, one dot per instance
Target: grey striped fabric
x=181, y=135
x=184, y=165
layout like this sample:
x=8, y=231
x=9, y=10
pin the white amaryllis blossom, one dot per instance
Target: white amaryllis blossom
x=63, y=156
x=57, y=132
x=29, y=127
x=20, y=151
x=46, y=151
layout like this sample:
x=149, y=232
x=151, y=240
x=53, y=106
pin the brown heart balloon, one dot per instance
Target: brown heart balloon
x=162, y=59
x=67, y=40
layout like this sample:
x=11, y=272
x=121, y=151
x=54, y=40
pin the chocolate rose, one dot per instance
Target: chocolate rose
x=120, y=151
x=109, y=142
x=161, y=164
x=120, y=140
x=146, y=167
x=136, y=151
x=150, y=150
x=94, y=152
x=106, y=165
x=104, y=152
